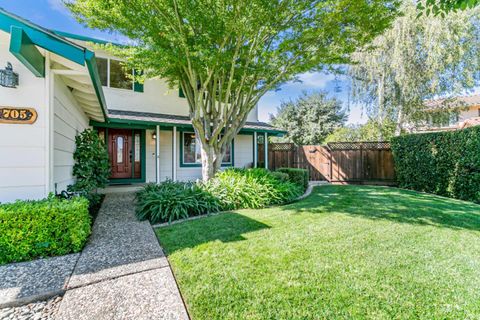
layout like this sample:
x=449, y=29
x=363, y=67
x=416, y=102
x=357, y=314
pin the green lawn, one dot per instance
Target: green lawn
x=345, y=252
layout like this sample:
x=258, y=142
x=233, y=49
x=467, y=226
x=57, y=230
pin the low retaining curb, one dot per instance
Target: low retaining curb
x=309, y=190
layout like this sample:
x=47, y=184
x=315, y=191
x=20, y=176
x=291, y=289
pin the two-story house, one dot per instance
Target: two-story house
x=54, y=86
x=468, y=114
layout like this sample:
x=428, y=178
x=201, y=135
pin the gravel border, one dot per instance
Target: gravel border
x=25, y=282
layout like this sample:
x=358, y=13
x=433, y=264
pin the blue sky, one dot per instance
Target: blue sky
x=53, y=15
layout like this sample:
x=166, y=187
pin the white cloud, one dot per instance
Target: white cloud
x=57, y=5
x=316, y=79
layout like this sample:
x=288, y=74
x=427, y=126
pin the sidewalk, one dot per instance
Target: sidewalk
x=122, y=272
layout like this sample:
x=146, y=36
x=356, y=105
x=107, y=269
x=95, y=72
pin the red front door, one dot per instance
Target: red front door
x=120, y=150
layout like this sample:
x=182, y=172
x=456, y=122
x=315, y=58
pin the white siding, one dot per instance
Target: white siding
x=22, y=146
x=468, y=114
x=165, y=156
x=243, y=151
x=157, y=96
x=69, y=120
x=243, y=157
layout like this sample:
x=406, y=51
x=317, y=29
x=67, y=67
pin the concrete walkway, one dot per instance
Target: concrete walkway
x=122, y=273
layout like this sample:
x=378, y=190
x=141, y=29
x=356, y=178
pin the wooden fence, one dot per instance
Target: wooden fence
x=343, y=162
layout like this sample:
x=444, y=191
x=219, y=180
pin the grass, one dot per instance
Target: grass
x=345, y=252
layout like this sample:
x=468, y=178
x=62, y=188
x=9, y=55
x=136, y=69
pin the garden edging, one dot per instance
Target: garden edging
x=309, y=190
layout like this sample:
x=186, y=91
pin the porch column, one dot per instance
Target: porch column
x=255, y=149
x=265, y=143
x=157, y=153
x=174, y=154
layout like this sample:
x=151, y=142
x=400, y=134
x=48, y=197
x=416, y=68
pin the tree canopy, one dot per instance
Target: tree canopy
x=441, y=7
x=309, y=119
x=370, y=131
x=226, y=54
x=417, y=59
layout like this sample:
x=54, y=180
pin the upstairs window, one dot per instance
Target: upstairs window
x=114, y=75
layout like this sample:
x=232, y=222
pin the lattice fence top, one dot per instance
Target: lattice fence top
x=281, y=146
x=382, y=145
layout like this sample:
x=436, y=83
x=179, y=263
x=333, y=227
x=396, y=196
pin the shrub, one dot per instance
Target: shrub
x=280, y=176
x=170, y=200
x=444, y=163
x=298, y=176
x=250, y=188
x=92, y=166
x=49, y=227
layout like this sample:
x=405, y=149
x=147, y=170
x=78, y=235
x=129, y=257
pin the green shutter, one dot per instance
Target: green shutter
x=137, y=86
x=180, y=93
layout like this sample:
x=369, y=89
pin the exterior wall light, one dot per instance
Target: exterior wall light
x=8, y=78
x=154, y=135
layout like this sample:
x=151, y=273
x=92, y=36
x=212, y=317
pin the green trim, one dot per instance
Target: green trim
x=143, y=161
x=52, y=42
x=181, y=94
x=181, y=127
x=97, y=84
x=197, y=165
x=24, y=50
x=43, y=37
x=137, y=86
x=85, y=38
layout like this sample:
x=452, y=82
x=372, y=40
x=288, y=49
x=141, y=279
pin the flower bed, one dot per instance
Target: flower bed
x=230, y=189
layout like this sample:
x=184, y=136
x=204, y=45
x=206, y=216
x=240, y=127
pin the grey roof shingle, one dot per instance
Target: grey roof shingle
x=161, y=118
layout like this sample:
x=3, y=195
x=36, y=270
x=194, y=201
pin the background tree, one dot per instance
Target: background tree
x=415, y=60
x=441, y=7
x=226, y=54
x=370, y=131
x=309, y=119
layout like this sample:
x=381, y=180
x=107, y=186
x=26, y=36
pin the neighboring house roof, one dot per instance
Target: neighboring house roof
x=467, y=101
x=25, y=36
x=149, y=118
x=470, y=123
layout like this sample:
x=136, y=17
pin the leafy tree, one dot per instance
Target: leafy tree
x=226, y=54
x=309, y=119
x=370, y=131
x=441, y=7
x=415, y=60
x=92, y=166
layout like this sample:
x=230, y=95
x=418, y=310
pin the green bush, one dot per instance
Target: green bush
x=298, y=176
x=92, y=166
x=170, y=200
x=250, y=188
x=280, y=176
x=49, y=227
x=443, y=163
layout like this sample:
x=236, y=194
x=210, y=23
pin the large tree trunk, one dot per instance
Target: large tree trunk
x=211, y=161
x=399, y=126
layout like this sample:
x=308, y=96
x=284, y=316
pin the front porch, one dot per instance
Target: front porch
x=148, y=147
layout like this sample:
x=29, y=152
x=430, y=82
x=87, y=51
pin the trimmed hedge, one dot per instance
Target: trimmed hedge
x=297, y=176
x=49, y=227
x=443, y=163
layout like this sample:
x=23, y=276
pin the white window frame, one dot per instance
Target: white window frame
x=108, y=75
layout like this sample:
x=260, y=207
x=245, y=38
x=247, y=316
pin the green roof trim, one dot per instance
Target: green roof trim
x=97, y=84
x=43, y=38
x=22, y=47
x=85, y=38
x=26, y=35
